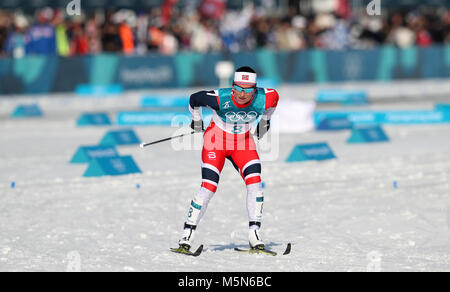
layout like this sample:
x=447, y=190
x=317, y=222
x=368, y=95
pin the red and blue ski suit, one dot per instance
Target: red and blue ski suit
x=228, y=135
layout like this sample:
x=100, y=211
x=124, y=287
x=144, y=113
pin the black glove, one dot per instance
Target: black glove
x=197, y=126
x=262, y=128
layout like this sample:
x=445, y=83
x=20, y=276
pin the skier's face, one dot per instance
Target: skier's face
x=243, y=92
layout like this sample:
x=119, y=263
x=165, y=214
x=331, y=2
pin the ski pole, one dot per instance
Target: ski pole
x=142, y=145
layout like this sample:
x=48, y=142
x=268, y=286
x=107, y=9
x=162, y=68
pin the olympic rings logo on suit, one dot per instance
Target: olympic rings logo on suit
x=241, y=116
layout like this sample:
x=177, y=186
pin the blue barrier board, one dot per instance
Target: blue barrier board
x=335, y=124
x=387, y=117
x=165, y=101
x=93, y=119
x=268, y=82
x=87, y=153
x=314, y=151
x=442, y=107
x=27, y=111
x=343, y=96
x=120, y=137
x=157, y=118
x=112, y=166
x=368, y=134
x=98, y=90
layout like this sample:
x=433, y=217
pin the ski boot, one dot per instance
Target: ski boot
x=185, y=242
x=188, y=237
x=254, y=239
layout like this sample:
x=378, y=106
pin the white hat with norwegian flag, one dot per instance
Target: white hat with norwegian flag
x=245, y=77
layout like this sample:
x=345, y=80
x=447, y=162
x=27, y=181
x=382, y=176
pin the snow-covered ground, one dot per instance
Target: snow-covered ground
x=340, y=215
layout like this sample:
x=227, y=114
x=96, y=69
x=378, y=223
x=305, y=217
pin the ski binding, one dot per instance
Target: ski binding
x=262, y=250
x=184, y=249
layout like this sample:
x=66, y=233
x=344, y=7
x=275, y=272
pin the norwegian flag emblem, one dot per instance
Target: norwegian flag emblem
x=245, y=77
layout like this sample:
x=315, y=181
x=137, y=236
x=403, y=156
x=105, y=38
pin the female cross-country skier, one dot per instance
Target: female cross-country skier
x=228, y=137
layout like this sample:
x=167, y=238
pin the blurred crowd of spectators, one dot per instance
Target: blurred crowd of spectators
x=169, y=30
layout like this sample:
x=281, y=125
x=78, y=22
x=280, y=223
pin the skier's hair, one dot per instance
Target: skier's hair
x=246, y=69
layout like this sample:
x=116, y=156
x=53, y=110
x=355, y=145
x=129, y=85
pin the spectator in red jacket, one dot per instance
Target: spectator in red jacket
x=80, y=42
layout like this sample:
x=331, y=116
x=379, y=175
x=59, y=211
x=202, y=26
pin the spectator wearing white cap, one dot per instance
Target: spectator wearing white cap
x=16, y=42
